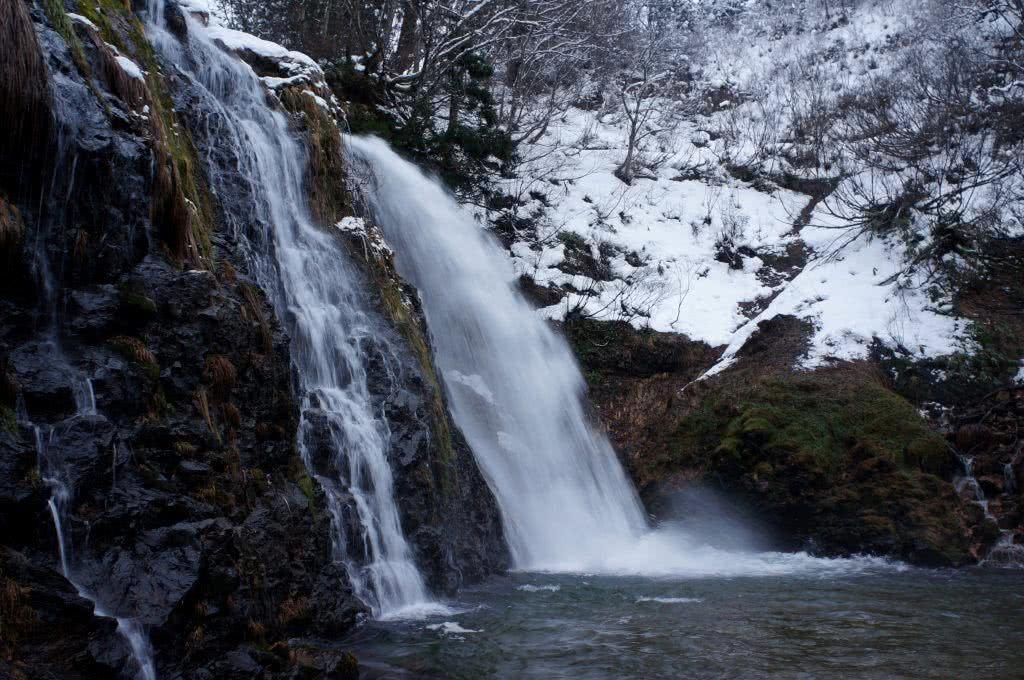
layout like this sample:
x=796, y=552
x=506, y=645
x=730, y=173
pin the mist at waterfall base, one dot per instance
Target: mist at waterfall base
x=516, y=393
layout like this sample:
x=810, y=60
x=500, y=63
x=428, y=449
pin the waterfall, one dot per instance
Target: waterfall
x=1005, y=552
x=514, y=386
x=54, y=475
x=319, y=295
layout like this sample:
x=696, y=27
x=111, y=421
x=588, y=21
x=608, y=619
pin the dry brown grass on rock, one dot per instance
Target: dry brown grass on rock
x=133, y=349
x=253, y=306
x=24, y=95
x=202, y=403
x=220, y=374
x=132, y=91
x=16, y=616
x=292, y=609
x=256, y=630
x=8, y=385
x=12, y=231
x=231, y=415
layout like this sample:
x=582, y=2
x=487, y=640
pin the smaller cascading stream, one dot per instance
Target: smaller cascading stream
x=319, y=296
x=53, y=472
x=1005, y=551
x=55, y=476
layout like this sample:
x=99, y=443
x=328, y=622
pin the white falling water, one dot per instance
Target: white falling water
x=316, y=292
x=54, y=475
x=516, y=392
x=53, y=472
x=514, y=385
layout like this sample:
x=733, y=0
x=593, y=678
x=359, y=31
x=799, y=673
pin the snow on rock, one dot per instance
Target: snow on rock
x=130, y=68
x=278, y=83
x=353, y=224
x=371, y=236
x=198, y=6
x=294, y=63
x=287, y=68
x=79, y=19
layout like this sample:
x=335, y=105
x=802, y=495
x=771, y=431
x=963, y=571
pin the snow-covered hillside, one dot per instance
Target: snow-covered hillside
x=707, y=242
x=672, y=225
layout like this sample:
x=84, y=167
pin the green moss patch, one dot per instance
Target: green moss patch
x=8, y=420
x=328, y=199
x=834, y=458
x=829, y=416
x=607, y=349
x=61, y=23
x=182, y=207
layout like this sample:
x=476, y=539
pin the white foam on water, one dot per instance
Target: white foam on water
x=451, y=628
x=419, y=611
x=669, y=600
x=530, y=588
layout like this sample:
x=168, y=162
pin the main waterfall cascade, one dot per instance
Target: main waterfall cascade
x=514, y=386
x=317, y=293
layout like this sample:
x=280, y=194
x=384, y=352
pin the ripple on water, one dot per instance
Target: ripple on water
x=868, y=620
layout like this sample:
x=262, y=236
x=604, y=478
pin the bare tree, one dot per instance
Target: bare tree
x=647, y=82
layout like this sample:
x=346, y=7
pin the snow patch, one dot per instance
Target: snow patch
x=130, y=68
x=352, y=224
x=293, y=62
x=661, y=235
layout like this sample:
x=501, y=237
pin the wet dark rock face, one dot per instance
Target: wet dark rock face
x=191, y=510
x=448, y=514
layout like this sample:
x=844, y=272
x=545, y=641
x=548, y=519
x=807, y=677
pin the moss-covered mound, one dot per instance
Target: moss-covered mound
x=838, y=461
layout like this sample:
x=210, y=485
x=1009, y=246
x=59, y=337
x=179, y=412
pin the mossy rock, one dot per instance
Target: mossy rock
x=135, y=306
x=615, y=348
x=830, y=414
x=8, y=420
x=837, y=460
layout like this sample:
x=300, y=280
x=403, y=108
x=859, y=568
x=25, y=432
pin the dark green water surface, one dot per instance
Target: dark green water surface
x=842, y=619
